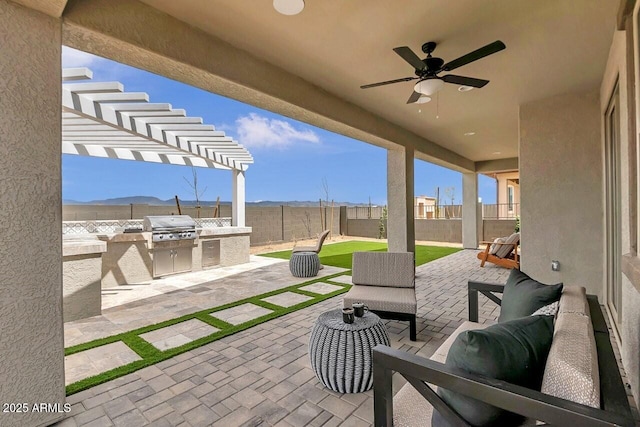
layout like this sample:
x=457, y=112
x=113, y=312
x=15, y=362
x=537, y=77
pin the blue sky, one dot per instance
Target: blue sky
x=291, y=158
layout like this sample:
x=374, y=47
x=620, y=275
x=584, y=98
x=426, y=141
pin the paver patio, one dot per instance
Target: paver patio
x=262, y=376
x=174, y=296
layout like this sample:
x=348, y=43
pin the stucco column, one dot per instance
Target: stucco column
x=400, y=225
x=470, y=210
x=237, y=203
x=31, y=338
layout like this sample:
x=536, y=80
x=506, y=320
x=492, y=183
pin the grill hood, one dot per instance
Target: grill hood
x=168, y=223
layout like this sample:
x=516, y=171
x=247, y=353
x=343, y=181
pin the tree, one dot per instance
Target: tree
x=325, y=190
x=450, y=193
x=193, y=183
x=323, y=214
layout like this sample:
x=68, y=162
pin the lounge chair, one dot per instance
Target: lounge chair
x=317, y=248
x=502, y=252
x=385, y=283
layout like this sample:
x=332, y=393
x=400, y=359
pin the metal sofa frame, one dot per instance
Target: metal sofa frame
x=614, y=409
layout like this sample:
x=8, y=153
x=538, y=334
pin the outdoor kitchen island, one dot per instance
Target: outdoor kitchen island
x=138, y=257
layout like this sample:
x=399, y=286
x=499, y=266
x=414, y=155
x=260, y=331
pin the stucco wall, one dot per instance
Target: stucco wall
x=562, y=196
x=234, y=250
x=31, y=338
x=127, y=261
x=502, y=188
x=82, y=295
x=630, y=334
x=629, y=324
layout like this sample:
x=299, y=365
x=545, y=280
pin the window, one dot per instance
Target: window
x=613, y=206
x=510, y=197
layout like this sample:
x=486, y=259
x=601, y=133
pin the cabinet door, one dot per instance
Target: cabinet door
x=162, y=262
x=182, y=259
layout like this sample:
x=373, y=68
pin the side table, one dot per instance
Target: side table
x=304, y=264
x=340, y=352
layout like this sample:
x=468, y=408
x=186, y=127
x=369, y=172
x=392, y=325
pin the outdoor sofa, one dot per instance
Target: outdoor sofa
x=581, y=383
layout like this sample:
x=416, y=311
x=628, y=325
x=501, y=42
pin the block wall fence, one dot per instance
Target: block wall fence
x=273, y=224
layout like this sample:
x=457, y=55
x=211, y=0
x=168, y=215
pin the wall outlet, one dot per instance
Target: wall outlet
x=555, y=265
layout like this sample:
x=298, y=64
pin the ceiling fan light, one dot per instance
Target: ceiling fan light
x=423, y=99
x=429, y=86
x=465, y=88
x=288, y=7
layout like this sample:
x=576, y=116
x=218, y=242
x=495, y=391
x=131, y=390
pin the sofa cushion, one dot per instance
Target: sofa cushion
x=524, y=295
x=440, y=355
x=410, y=409
x=394, y=269
x=514, y=351
x=572, y=366
x=396, y=300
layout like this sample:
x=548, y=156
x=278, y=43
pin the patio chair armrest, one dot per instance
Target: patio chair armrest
x=527, y=402
x=487, y=290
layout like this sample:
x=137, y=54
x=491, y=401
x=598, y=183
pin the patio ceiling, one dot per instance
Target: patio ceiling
x=101, y=120
x=552, y=47
x=310, y=66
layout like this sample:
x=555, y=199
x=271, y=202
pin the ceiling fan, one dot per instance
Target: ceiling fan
x=427, y=70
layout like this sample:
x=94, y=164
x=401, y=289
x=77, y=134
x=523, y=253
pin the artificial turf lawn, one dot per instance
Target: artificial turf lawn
x=340, y=254
x=151, y=355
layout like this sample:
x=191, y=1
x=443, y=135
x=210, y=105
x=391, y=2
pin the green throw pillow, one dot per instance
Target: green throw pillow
x=515, y=352
x=524, y=295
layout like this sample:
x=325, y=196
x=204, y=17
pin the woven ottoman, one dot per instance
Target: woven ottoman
x=304, y=264
x=340, y=352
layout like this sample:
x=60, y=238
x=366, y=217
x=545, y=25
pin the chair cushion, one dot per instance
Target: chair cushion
x=505, y=250
x=572, y=366
x=514, y=351
x=524, y=295
x=396, y=300
x=395, y=269
x=495, y=247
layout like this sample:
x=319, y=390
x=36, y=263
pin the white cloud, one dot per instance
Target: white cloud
x=255, y=131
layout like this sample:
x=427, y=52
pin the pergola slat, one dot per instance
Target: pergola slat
x=100, y=119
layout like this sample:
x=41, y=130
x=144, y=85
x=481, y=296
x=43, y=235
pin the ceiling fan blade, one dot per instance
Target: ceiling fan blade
x=465, y=81
x=413, y=98
x=408, y=55
x=489, y=49
x=388, y=82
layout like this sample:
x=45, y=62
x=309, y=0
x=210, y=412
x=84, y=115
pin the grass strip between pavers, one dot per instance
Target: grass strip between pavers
x=151, y=355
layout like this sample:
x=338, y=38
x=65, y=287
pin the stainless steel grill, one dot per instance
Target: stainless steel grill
x=166, y=228
x=173, y=241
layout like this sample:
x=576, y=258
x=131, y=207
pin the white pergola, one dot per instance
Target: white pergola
x=101, y=120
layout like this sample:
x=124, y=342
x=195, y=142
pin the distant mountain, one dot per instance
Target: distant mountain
x=154, y=201
x=137, y=200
